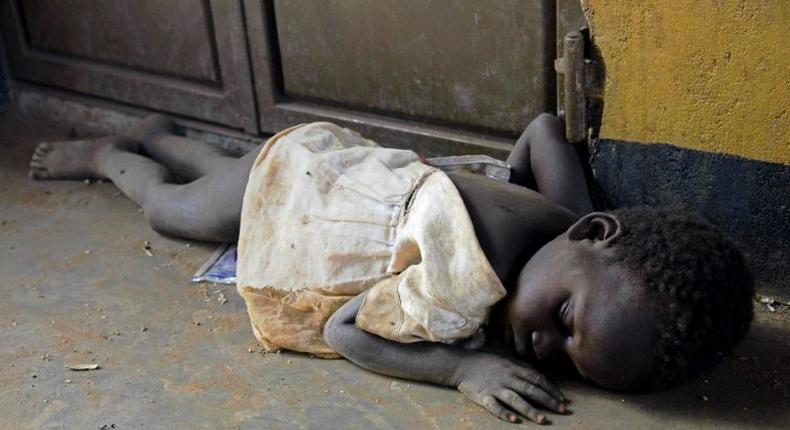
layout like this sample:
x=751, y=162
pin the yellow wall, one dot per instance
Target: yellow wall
x=709, y=75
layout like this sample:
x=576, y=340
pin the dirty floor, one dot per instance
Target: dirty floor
x=78, y=287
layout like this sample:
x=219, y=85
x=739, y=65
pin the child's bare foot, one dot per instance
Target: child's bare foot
x=69, y=160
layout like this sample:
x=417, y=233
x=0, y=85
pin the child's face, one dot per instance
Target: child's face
x=570, y=301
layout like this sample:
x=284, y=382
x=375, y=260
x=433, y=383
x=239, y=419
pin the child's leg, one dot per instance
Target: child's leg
x=152, y=136
x=208, y=208
x=186, y=159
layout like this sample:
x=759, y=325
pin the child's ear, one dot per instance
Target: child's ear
x=597, y=226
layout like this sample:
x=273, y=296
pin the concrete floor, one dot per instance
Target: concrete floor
x=77, y=287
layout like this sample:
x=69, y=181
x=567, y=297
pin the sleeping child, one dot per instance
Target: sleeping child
x=348, y=249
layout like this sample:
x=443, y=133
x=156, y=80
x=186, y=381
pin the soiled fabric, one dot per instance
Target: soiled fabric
x=328, y=214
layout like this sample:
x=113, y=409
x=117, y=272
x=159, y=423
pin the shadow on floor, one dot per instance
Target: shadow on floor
x=749, y=387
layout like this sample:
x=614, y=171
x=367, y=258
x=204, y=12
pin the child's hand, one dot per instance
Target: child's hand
x=497, y=384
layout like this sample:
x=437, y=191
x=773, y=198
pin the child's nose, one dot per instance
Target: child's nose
x=546, y=343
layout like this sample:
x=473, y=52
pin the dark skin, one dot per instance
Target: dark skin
x=564, y=298
x=546, y=245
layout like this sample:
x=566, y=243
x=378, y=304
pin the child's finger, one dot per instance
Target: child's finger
x=493, y=406
x=538, y=395
x=541, y=381
x=519, y=405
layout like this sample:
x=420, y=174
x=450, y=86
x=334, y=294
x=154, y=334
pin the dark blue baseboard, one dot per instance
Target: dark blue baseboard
x=749, y=199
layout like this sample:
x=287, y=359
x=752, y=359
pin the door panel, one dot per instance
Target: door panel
x=437, y=76
x=185, y=57
x=480, y=65
x=89, y=30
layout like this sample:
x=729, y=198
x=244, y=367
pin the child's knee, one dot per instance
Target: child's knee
x=179, y=218
x=162, y=213
x=156, y=216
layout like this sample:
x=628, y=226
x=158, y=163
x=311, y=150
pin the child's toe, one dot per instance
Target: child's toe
x=38, y=173
x=43, y=148
x=37, y=160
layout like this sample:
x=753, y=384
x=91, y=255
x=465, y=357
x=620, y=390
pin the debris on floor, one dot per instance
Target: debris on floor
x=220, y=268
x=147, y=249
x=82, y=367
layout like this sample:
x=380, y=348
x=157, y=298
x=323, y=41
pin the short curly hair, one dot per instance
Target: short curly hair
x=698, y=283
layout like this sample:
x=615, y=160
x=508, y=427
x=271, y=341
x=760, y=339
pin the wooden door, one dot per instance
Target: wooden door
x=186, y=57
x=438, y=76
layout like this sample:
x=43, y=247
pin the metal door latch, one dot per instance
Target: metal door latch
x=580, y=82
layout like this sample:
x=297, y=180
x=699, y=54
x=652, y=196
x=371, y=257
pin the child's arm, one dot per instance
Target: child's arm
x=492, y=381
x=544, y=159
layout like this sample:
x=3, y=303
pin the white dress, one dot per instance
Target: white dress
x=328, y=214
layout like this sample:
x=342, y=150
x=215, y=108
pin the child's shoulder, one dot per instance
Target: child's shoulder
x=509, y=220
x=492, y=198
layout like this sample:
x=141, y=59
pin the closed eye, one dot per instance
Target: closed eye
x=565, y=322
